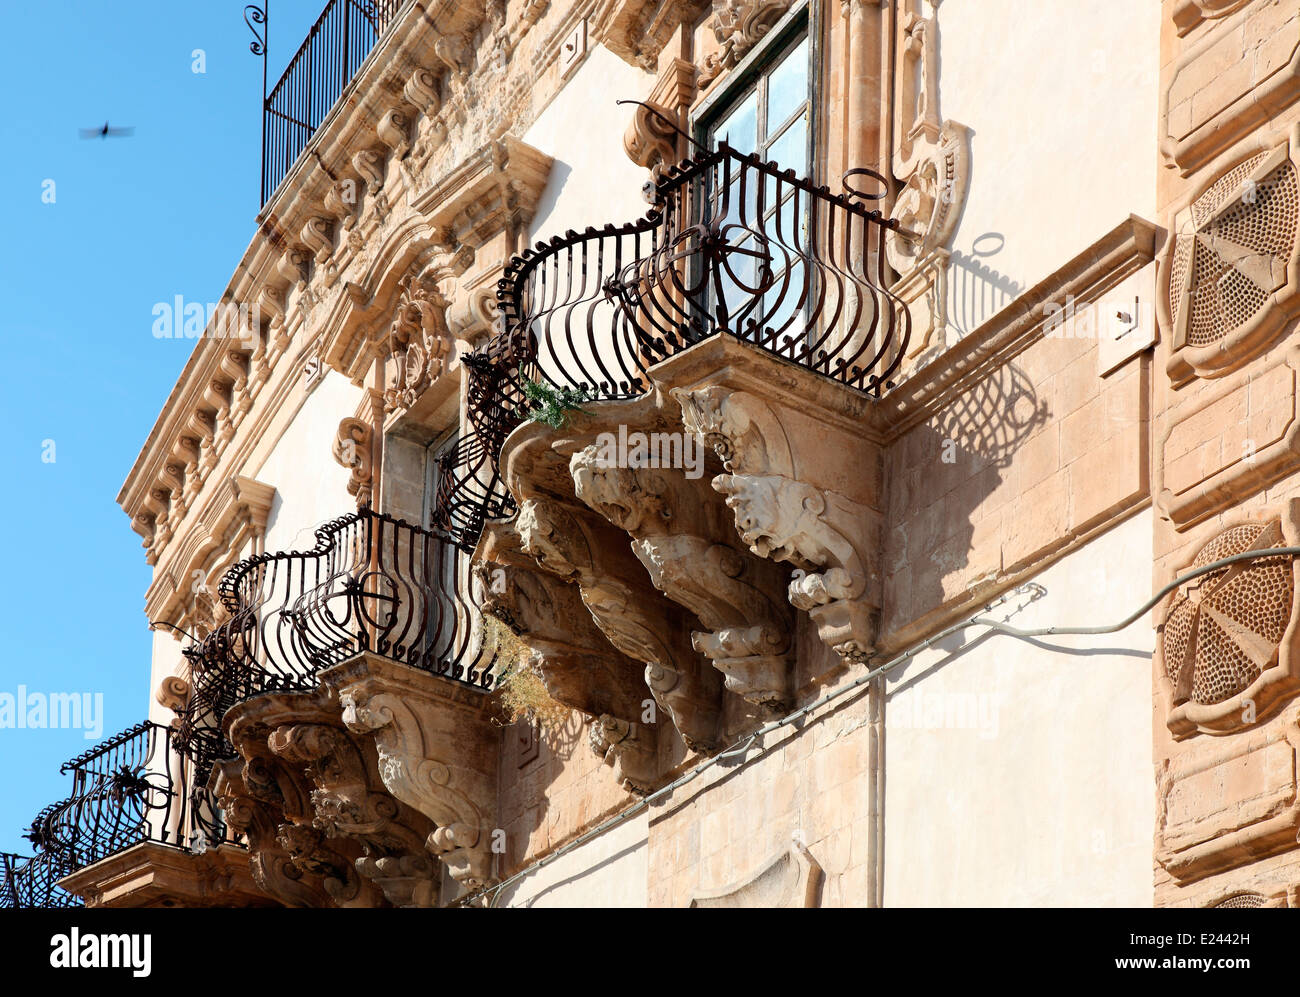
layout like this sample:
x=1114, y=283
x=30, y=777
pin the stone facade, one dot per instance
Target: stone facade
x=1096, y=395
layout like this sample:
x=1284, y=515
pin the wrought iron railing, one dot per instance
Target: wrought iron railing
x=33, y=882
x=732, y=246
x=315, y=78
x=371, y=583
x=128, y=790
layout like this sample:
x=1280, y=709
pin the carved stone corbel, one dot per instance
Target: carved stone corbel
x=630, y=749
x=369, y=165
x=258, y=822
x=393, y=130
x=437, y=753
x=792, y=502
x=638, y=30
x=650, y=139
x=349, y=802
x=735, y=596
x=352, y=449
x=456, y=52
x=569, y=543
x=578, y=665
x=277, y=793
x=317, y=235
x=421, y=90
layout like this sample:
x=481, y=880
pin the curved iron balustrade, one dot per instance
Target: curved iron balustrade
x=732, y=246
x=370, y=583
x=125, y=791
x=27, y=882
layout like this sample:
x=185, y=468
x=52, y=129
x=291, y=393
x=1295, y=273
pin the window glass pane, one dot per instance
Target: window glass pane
x=740, y=128
x=787, y=87
x=790, y=150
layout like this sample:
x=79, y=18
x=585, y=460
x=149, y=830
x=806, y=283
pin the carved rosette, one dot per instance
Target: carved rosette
x=1226, y=643
x=1230, y=276
x=436, y=752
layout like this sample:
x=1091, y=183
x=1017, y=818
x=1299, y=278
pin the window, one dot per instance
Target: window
x=444, y=612
x=765, y=109
x=768, y=113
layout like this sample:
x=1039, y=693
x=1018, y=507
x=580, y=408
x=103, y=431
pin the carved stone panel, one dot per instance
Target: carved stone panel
x=1228, y=803
x=1235, y=79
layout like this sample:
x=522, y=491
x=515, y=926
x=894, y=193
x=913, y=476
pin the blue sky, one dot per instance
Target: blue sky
x=135, y=221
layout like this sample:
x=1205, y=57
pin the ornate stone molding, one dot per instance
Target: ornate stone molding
x=1227, y=803
x=1192, y=485
x=154, y=875
x=232, y=525
x=418, y=342
x=496, y=188
x=738, y=25
x=638, y=30
x=1236, y=78
x=931, y=160
x=437, y=753
x=1187, y=14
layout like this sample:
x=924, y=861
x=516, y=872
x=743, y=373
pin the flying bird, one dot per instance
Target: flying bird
x=105, y=132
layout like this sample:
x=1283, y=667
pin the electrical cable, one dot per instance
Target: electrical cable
x=741, y=747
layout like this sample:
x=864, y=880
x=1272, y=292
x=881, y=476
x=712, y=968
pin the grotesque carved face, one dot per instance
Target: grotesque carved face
x=776, y=516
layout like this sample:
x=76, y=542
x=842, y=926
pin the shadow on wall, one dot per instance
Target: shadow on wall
x=533, y=759
x=976, y=291
x=951, y=487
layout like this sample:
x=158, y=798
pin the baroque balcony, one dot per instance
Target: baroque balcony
x=732, y=246
x=130, y=818
x=340, y=716
x=749, y=310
